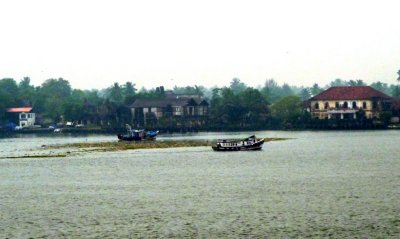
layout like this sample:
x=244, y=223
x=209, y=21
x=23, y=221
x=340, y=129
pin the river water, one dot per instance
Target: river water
x=334, y=184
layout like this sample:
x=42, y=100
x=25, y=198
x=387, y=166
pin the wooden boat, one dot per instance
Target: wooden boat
x=137, y=135
x=250, y=143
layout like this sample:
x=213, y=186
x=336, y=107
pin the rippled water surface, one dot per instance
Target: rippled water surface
x=318, y=184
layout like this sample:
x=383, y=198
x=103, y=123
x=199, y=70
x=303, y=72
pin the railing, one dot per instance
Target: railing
x=340, y=108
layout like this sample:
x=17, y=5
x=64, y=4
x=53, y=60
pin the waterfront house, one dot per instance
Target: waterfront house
x=349, y=102
x=173, y=110
x=25, y=116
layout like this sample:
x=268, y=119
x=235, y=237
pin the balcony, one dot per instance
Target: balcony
x=342, y=111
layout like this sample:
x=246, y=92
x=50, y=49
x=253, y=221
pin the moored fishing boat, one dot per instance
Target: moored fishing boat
x=250, y=143
x=137, y=135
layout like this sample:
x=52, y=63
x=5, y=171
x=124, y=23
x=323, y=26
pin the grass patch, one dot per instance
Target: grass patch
x=36, y=156
x=115, y=146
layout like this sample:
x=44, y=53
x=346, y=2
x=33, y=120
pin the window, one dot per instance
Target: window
x=337, y=105
x=345, y=105
x=354, y=105
x=191, y=110
x=374, y=105
x=364, y=105
x=326, y=105
x=316, y=106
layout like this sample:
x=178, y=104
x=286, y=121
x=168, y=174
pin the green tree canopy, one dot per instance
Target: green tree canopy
x=27, y=92
x=56, y=88
x=129, y=89
x=287, y=110
x=237, y=86
x=51, y=97
x=271, y=90
x=383, y=87
x=356, y=83
x=286, y=90
x=396, y=91
x=305, y=94
x=190, y=90
x=115, y=93
x=316, y=89
x=9, y=92
x=338, y=82
x=8, y=95
x=398, y=78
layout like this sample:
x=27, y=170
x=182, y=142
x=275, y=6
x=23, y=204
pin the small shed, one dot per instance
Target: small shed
x=26, y=117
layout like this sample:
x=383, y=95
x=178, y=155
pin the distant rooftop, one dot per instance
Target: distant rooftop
x=19, y=110
x=169, y=94
x=350, y=93
x=171, y=99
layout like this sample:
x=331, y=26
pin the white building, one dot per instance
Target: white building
x=26, y=118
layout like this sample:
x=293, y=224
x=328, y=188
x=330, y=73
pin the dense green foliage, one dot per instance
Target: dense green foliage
x=287, y=112
x=236, y=106
x=245, y=109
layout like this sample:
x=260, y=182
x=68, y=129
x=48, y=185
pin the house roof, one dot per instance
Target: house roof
x=171, y=95
x=350, y=93
x=160, y=103
x=171, y=99
x=19, y=110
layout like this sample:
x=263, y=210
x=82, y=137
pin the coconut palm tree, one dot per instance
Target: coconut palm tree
x=398, y=73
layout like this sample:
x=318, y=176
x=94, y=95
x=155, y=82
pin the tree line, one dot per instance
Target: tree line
x=236, y=106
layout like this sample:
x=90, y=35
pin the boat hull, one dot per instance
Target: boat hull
x=128, y=138
x=151, y=135
x=251, y=147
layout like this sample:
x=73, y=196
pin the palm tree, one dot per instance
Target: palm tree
x=398, y=78
x=115, y=93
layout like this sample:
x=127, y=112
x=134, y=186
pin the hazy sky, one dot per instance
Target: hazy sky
x=169, y=42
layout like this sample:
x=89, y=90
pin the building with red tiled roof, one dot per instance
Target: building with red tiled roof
x=26, y=117
x=349, y=102
x=350, y=93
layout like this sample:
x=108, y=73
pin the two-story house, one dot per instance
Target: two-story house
x=174, y=110
x=349, y=102
x=25, y=116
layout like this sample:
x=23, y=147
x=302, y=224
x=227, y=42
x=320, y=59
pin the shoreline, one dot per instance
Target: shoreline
x=114, y=131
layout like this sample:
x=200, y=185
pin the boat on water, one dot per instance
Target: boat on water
x=250, y=143
x=137, y=135
x=57, y=130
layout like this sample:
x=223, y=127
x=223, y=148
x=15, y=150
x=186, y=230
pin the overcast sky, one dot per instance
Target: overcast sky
x=169, y=42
